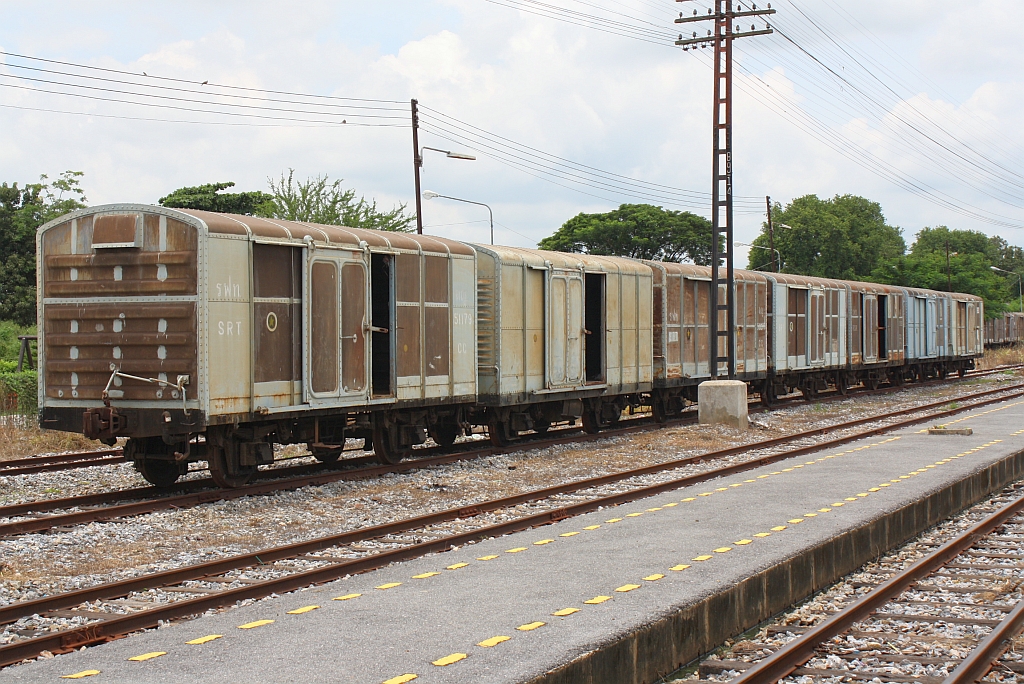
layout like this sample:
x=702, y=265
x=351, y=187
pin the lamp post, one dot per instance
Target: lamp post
x=778, y=255
x=417, y=162
x=432, y=195
x=1020, y=286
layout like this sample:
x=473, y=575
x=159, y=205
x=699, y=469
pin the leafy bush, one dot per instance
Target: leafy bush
x=9, y=343
x=18, y=392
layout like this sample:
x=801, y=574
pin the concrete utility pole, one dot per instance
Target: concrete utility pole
x=723, y=17
x=771, y=232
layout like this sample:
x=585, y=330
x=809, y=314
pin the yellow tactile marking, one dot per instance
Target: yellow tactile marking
x=678, y=568
x=457, y=566
x=749, y=481
x=591, y=527
x=346, y=597
x=255, y=624
x=493, y=641
x=542, y=542
x=723, y=549
x=778, y=528
x=481, y=558
x=671, y=505
x=392, y=585
x=81, y=675
x=306, y=609
x=743, y=542
x=204, y=639
x=722, y=489
x=597, y=599
x=425, y=575
x=705, y=494
x=838, y=504
x=401, y=679
x=530, y=626
x=147, y=656
x=518, y=549
x=703, y=558
x=449, y=659
x=633, y=515
x=565, y=611
x=653, y=578
x=824, y=510
x=810, y=515
x=627, y=587
x=875, y=489
x=763, y=534
x=687, y=499
x=851, y=498
x=613, y=520
x=653, y=510
x=568, y=534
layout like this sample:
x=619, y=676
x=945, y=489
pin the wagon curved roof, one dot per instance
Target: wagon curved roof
x=697, y=272
x=275, y=229
x=539, y=258
x=796, y=280
x=922, y=292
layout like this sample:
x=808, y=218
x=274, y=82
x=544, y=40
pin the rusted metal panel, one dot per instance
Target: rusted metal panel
x=324, y=354
x=353, y=333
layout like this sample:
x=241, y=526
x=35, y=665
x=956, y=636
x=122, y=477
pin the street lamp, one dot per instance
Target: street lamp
x=1020, y=287
x=431, y=195
x=418, y=164
x=771, y=249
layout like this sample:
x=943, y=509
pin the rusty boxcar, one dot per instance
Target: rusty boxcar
x=159, y=324
x=1005, y=329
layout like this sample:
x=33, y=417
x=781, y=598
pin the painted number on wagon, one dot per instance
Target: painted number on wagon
x=463, y=318
x=229, y=327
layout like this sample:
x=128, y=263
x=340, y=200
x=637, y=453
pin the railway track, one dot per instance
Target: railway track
x=964, y=595
x=89, y=459
x=108, y=506
x=281, y=569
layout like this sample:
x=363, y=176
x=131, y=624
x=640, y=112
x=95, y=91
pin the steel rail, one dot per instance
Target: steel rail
x=86, y=459
x=198, y=494
x=795, y=653
x=979, y=661
x=117, y=626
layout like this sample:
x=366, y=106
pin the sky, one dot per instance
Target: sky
x=916, y=105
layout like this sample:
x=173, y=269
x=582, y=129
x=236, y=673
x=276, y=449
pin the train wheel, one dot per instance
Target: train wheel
x=445, y=434
x=159, y=472
x=842, y=386
x=385, y=445
x=768, y=396
x=225, y=468
x=659, y=407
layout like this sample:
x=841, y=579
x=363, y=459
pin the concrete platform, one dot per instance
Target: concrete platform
x=683, y=571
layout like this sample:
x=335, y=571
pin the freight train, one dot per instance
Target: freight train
x=1007, y=329
x=205, y=336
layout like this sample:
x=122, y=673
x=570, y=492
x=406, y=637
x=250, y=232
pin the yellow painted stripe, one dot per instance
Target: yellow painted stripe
x=824, y=510
x=493, y=641
x=389, y=585
x=204, y=640
x=778, y=528
x=876, y=489
x=516, y=550
x=653, y=578
x=653, y=510
x=703, y=558
x=837, y=504
x=614, y=520
x=425, y=575
x=763, y=534
x=670, y=505
x=705, y=494
x=449, y=659
x=795, y=521
x=627, y=587
x=542, y=542
x=678, y=568
x=565, y=611
x=691, y=498
x=591, y=527
x=254, y=625
x=486, y=558
x=749, y=480
x=401, y=679
x=863, y=494
x=723, y=549
x=598, y=599
x=457, y=566
x=743, y=542
x=530, y=626
x=568, y=534
x=81, y=675
x=810, y=515
x=633, y=515
x=148, y=656
x=722, y=489
x=304, y=609
x=346, y=597
x=851, y=498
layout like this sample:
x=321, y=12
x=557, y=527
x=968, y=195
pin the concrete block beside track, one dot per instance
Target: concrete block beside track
x=722, y=402
x=823, y=515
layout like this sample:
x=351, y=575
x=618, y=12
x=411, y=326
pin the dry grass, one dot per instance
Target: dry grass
x=1000, y=356
x=18, y=441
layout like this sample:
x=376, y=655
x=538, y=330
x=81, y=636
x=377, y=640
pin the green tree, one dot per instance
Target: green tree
x=210, y=198
x=971, y=257
x=639, y=231
x=22, y=211
x=320, y=200
x=843, y=237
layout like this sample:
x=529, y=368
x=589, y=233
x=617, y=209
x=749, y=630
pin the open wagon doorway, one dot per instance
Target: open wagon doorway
x=382, y=366
x=594, y=326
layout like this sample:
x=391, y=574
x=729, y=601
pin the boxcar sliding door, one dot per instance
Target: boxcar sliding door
x=565, y=328
x=277, y=326
x=337, y=349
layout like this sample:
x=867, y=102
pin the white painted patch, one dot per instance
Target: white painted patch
x=74, y=326
x=118, y=325
x=162, y=376
x=161, y=352
x=117, y=352
x=117, y=273
x=161, y=272
x=163, y=233
x=161, y=325
x=74, y=379
x=117, y=381
x=74, y=273
x=99, y=327
x=74, y=352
